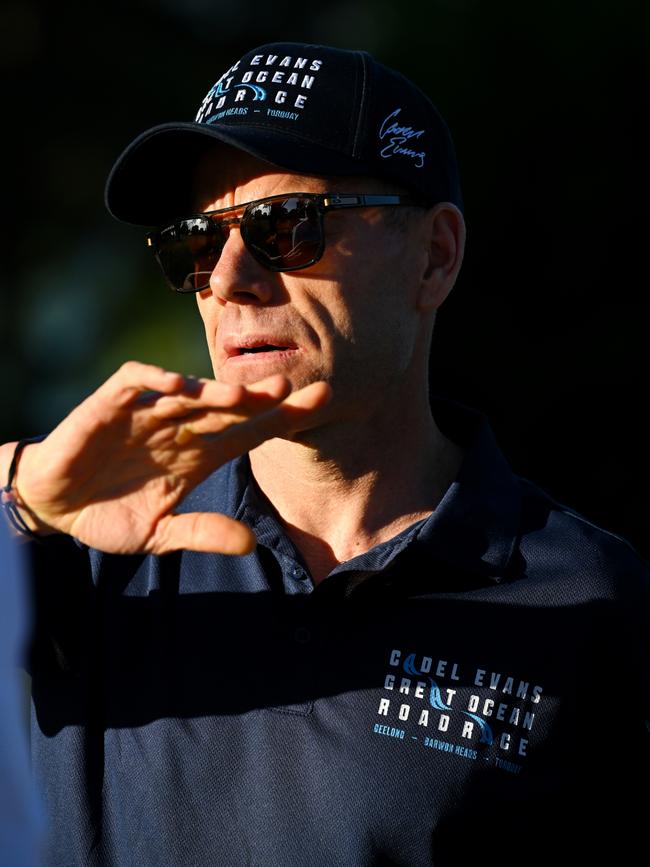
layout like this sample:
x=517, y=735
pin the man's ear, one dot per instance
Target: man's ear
x=444, y=237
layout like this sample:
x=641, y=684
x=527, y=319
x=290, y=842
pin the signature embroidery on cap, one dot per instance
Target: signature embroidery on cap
x=398, y=136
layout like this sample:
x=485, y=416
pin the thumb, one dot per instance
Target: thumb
x=202, y=531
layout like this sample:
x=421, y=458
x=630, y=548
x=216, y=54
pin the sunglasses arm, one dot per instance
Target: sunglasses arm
x=341, y=200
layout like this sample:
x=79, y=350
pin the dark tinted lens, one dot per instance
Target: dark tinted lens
x=285, y=234
x=188, y=252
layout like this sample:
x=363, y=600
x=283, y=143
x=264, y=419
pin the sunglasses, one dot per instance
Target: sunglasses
x=282, y=233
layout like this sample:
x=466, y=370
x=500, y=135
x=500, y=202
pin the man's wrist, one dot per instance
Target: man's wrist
x=21, y=520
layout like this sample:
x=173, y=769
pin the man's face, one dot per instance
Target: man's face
x=350, y=319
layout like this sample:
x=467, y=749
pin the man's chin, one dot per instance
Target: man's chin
x=247, y=374
x=249, y=367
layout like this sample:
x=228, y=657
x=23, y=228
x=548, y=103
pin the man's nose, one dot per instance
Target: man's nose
x=238, y=277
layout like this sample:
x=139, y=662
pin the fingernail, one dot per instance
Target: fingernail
x=183, y=435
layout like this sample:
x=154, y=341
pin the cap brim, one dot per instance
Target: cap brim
x=152, y=182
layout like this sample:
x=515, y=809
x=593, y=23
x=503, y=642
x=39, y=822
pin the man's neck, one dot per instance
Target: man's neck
x=345, y=489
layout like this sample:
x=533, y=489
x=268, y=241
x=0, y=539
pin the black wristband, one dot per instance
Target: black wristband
x=8, y=497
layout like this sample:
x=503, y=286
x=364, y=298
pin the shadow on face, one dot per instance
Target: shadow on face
x=222, y=168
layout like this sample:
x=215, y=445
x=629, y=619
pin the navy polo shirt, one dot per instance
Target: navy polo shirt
x=473, y=691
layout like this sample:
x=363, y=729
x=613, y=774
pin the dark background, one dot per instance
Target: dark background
x=546, y=330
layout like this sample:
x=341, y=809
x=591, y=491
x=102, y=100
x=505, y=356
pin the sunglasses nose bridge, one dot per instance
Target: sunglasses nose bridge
x=228, y=222
x=237, y=276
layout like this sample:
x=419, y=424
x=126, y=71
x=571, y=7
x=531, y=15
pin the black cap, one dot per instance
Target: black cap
x=310, y=109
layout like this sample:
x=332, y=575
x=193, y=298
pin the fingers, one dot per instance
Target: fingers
x=120, y=390
x=310, y=397
x=202, y=531
x=235, y=434
x=133, y=377
x=163, y=395
x=298, y=412
x=239, y=400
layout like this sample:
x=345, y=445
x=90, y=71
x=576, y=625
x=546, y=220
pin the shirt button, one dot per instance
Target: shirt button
x=302, y=635
x=298, y=573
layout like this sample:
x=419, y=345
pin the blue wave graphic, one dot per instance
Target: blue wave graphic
x=486, y=732
x=219, y=90
x=435, y=698
x=409, y=665
x=436, y=702
x=260, y=93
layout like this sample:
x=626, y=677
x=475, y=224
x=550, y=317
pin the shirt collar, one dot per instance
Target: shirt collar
x=473, y=529
x=476, y=525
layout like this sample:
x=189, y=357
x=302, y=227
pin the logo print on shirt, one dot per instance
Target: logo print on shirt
x=479, y=716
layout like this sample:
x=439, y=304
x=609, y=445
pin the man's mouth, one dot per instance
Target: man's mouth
x=265, y=347
x=235, y=347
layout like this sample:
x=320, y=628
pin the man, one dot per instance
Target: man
x=417, y=658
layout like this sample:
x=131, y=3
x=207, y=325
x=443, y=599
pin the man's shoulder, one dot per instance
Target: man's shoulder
x=557, y=540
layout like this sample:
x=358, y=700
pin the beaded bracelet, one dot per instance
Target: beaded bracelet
x=9, y=503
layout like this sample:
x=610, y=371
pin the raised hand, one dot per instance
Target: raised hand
x=111, y=473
